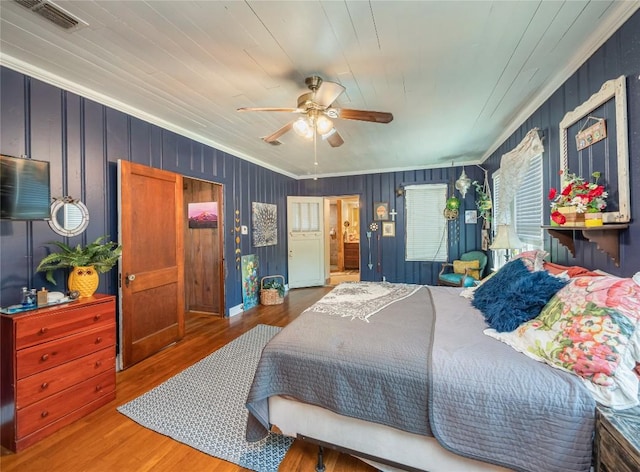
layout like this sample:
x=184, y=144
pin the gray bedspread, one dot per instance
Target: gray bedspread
x=423, y=365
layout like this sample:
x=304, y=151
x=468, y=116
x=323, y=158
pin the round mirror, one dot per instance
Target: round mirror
x=69, y=217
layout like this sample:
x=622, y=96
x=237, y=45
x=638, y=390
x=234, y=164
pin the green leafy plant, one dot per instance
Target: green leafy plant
x=483, y=201
x=274, y=284
x=101, y=255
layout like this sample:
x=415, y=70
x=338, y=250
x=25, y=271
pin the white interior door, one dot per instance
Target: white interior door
x=306, y=242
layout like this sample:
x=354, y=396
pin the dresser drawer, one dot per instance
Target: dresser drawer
x=47, y=355
x=54, y=407
x=40, y=328
x=39, y=386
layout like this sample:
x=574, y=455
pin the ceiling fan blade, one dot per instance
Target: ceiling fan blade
x=327, y=93
x=290, y=110
x=333, y=138
x=365, y=115
x=272, y=137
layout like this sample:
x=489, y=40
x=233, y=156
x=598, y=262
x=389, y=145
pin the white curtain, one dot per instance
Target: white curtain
x=513, y=167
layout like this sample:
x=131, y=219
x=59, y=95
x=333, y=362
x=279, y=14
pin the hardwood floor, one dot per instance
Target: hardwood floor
x=109, y=441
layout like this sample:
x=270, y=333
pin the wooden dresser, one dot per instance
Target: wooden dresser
x=617, y=440
x=352, y=256
x=58, y=365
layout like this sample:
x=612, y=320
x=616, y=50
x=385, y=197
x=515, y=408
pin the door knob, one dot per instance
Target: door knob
x=129, y=278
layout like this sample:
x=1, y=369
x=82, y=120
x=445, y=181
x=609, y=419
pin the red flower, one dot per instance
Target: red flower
x=558, y=217
x=567, y=190
x=552, y=193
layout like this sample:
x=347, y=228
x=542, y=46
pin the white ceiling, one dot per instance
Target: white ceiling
x=459, y=77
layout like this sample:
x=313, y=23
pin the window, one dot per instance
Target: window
x=426, y=226
x=526, y=210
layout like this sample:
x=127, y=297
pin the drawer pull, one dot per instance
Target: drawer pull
x=98, y=339
x=45, y=357
x=43, y=330
x=44, y=414
x=97, y=317
x=98, y=388
x=44, y=385
x=98, y=363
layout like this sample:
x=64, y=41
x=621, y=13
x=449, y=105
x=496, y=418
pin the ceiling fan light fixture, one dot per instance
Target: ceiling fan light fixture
x=332, y=131
x=302, y=128
x=323, y=125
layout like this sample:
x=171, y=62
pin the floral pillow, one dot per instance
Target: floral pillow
x=590, y=328
x=533, y=260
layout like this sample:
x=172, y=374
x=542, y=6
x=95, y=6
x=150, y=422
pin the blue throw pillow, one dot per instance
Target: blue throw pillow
x=487, y=293
x=516, y=297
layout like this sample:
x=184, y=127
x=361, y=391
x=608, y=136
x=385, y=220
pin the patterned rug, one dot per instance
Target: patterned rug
x=204, y=405
x=361, y=299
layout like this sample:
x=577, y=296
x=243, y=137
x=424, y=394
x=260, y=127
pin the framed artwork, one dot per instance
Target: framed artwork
x=381, y=211
x=203, y=215
x=388, y=229
x=471, y=217
x=264, y=217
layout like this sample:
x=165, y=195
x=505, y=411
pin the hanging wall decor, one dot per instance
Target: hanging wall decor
x=613, y=97
x=594, y=133
x=264, y=217
x=203, y=215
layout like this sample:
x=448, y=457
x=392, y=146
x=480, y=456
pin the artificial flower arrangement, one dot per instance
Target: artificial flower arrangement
x=586, y=197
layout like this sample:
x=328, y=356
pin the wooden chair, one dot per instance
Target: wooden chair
x=463, y=278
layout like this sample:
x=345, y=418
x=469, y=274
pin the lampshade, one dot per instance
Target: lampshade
x=506, y=238
x=463, y=183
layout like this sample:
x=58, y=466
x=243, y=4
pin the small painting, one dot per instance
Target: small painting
x=250, y=285
x=381, y=211
x=264, y=217
x=203, y=215
x=471, y=217
x=388, y=229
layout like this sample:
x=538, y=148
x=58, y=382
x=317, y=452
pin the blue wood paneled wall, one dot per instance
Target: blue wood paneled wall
x=620, y=55
x=388, y=253
x=83, y=141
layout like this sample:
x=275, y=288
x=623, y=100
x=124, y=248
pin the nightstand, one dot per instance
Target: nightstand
x=617, y=441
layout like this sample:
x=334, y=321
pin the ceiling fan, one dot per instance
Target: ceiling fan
x=317, y=111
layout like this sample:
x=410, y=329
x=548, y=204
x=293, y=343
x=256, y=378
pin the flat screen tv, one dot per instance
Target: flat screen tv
x=25, y=189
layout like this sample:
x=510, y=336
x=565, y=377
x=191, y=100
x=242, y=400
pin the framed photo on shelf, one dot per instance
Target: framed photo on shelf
x=388, y=229
x=381, y=211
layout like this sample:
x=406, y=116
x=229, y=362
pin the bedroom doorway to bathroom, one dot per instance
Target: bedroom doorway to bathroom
x=344, y=239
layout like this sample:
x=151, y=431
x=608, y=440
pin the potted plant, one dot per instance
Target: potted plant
x=272, y=290
x=85, y=261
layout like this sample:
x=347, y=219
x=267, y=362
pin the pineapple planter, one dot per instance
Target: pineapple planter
x=85, y=262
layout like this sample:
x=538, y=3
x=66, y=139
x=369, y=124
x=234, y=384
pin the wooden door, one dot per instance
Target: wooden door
x=203, y=242
x=305, y=237
x=152, y=263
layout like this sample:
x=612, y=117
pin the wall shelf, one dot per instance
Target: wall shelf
x=606, y=237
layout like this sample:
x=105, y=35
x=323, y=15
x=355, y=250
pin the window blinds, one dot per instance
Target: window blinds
x=426, y=226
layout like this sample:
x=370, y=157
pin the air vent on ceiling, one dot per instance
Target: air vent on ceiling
x=53, y=13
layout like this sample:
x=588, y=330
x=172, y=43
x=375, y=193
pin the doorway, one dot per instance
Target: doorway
x=203, y=247
x=344, y=239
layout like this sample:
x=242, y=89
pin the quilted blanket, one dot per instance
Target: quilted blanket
x=425, y=366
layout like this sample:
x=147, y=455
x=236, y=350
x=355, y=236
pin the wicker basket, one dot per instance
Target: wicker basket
x=270, y=296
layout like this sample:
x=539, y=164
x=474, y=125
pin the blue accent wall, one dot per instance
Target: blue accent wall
x=83, y=141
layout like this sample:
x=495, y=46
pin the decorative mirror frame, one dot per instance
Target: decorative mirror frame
x=616, y=89
x=57, y=205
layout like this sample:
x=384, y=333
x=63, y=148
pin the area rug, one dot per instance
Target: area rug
x=204, y=405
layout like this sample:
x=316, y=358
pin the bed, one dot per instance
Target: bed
x=404, y=375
